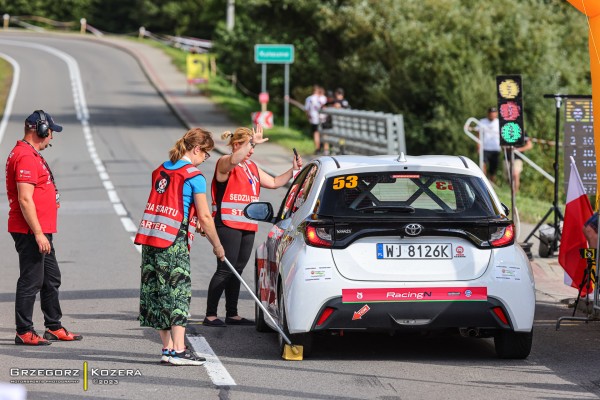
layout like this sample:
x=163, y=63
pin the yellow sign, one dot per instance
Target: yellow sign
x=198, y=68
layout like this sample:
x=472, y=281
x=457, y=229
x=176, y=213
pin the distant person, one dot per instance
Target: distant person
x=177, y=202
x=489, y=136
x=33, y=209
x=236, y=183
x=339, y=100
x=312, y=107
x=518, y=164
x=590, y=230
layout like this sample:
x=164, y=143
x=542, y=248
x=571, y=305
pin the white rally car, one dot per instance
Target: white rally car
x=394, y=243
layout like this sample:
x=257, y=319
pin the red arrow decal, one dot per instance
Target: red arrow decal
x=359, y=314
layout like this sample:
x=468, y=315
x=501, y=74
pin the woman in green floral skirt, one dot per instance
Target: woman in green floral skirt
x=177, y=206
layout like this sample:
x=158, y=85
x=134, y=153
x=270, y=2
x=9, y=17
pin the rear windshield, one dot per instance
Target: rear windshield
x=420, y=195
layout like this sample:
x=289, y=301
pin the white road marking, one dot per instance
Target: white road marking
x=216, y=371
x=11, y=94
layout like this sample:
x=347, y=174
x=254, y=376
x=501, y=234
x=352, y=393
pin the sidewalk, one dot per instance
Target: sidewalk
x=196, y=110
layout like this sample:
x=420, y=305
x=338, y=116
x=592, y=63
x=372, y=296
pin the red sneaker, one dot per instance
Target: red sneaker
x=61, y=334
x=31, y=338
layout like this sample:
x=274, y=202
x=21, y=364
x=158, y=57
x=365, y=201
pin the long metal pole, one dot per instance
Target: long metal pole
x=263, y=85
x=556, y=177
x=286, y=96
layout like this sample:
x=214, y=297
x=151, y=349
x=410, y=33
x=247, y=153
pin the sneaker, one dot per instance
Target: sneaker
x=186, y=357
x=31, y=338
x=166, y=353
x=61, y=334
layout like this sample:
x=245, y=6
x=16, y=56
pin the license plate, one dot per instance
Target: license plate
x=438, y=251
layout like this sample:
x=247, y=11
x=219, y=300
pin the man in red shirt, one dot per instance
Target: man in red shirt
x=34, y=200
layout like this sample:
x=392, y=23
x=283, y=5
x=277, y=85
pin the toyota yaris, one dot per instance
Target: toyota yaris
x=394, y=243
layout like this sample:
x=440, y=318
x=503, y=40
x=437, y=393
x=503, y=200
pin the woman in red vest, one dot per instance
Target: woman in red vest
x=236, y=183
x=177, y=203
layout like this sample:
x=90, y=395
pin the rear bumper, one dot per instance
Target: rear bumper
x=411, y=316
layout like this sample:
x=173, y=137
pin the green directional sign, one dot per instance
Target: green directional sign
x=273, y=53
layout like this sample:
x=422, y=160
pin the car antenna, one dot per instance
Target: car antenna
x=401, y=157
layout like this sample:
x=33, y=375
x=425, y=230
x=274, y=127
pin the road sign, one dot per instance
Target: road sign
x=273, y=53
x=263, y=97
x=263, y=118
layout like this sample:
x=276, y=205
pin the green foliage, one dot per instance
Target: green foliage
x=434, y=61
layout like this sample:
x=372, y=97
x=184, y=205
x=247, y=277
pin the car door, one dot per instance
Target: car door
x=280, y=236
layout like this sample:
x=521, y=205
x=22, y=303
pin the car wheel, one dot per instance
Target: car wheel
x=259, y=315
x=515, y=345
x=302, y=339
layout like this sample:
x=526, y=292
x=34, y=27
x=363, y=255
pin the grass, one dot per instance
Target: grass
x=530, y=210
x=6, y=76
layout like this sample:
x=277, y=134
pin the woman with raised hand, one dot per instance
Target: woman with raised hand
x=236, y=183
x=176, y=205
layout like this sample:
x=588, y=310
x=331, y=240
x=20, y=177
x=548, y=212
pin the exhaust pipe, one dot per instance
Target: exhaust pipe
x=469, y=332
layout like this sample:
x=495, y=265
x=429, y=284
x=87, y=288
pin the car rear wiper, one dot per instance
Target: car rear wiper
x=402, y=209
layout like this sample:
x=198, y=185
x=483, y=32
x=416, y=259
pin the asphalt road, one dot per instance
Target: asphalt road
x=116, y=130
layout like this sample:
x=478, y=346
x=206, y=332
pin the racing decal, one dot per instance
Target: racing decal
x=348, y=182
x=359, y=314
x=414, y=294
x=317, y=274
x=507, y=273
x=441, y=185
x=460, y=251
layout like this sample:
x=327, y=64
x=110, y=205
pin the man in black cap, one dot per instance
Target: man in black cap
x=34, y=201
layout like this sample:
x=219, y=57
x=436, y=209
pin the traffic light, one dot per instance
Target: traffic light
x=510, y=110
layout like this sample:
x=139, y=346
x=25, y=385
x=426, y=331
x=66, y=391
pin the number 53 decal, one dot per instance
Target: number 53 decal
x=350, y=182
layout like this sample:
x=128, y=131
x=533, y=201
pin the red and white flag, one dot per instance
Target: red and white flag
x=577, y=211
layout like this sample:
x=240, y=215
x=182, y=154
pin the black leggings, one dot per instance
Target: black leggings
x=238, y=248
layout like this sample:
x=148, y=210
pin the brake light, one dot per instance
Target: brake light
x=500, y=314
x=324, y=315
x=503, y=236
x=318, y=236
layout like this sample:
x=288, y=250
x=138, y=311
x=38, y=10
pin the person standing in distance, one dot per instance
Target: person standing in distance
x=489, y=136
x=312, y=107
x=176, y=205
x=236, y=183
x=32, y=218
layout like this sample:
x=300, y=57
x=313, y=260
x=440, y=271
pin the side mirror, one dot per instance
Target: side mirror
x=259, y=211
x=506, y=209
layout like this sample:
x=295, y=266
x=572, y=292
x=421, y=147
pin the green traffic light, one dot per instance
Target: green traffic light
x=511, y=133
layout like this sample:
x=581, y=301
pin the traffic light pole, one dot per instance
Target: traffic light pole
x=554, y=208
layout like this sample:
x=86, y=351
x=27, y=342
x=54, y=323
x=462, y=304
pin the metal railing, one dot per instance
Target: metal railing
x=364, y=132
x=467, y=131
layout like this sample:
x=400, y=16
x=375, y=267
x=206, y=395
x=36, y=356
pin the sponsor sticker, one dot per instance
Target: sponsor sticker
x=507, y=273
x=414, y=294
x=317, y=274
x=460, y=251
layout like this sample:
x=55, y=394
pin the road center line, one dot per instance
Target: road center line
x=11, y=94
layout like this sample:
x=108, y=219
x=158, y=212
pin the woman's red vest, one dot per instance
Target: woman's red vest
x=164, y=209
x=243, y=188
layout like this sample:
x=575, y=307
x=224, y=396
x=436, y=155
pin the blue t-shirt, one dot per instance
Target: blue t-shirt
x=593, y=221
x=191, y=186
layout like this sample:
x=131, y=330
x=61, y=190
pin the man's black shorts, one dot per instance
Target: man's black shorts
x=490, y=158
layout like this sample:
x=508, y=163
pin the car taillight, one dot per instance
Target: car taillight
x=318, y=236
x=500, y=314
x=324, y=315
x=503, y=236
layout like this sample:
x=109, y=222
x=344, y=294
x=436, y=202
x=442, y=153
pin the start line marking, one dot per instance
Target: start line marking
x=217, y=372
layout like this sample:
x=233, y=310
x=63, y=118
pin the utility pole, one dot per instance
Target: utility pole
x=230, y=14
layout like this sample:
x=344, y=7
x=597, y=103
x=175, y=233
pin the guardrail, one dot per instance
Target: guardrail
x=523, y=156
x=364, y=132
